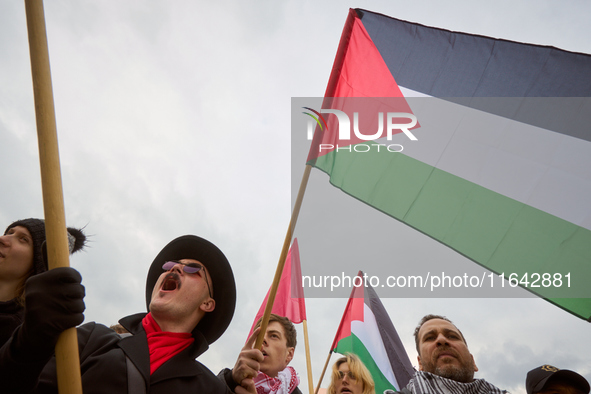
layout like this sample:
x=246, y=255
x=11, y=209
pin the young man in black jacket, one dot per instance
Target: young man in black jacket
x=268, y=369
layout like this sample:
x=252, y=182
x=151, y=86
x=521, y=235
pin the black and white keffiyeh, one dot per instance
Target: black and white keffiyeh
x=428, y=383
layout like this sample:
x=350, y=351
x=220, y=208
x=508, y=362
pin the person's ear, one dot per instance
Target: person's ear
x=208, y=305
x=290, y=352
x=420, y=365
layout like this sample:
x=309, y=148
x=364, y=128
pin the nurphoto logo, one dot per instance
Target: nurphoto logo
x=339, y=133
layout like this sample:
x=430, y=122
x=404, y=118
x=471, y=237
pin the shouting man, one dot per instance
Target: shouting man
x=191, y=296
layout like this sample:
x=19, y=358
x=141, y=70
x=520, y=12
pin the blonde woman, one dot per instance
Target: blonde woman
x=349, y=375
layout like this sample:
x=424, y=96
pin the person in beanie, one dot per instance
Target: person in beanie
x=21, y=256
x=547, y=379
x=190, y=297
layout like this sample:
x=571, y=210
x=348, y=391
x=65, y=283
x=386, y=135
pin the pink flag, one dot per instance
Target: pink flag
x=289, y=300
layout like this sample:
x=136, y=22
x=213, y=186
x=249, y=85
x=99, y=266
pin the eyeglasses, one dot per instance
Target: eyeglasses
x=350, y=374
x=189, y=268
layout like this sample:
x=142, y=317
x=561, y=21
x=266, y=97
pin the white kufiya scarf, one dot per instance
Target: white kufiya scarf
x=285, y=382
x=428, y=383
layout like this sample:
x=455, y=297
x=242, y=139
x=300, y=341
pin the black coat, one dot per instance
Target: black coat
x=11, y=316
x=103, y=364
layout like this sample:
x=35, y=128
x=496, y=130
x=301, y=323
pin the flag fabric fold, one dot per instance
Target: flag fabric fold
x=500, y=172
x=289, y=300
x=367, y=331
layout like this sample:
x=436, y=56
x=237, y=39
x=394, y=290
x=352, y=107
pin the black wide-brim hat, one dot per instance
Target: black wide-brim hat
x=214, y=323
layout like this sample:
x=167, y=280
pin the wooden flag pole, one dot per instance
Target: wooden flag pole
x=283, y=256
x=323, y=371
x=333, y=346
x=308, y=358
x=66, y=350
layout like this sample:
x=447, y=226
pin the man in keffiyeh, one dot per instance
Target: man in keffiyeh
x=446, y=366
x=266, y=371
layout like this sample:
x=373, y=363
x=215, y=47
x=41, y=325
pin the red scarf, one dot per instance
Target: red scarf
x=163, y=345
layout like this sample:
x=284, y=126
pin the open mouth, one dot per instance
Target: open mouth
x=345, y=390
x=171, y=282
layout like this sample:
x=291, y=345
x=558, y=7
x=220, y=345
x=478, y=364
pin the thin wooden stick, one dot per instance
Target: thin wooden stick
x=323, y=371
x=282, y=257
x=308, y=358
x=66, y=350
x=334, y=344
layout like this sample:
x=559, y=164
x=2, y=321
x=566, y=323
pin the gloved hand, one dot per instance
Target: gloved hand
x=53, y=303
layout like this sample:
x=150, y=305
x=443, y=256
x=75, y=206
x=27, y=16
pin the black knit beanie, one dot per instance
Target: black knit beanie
x=76, y=240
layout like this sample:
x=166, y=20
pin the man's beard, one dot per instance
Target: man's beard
x=463, y=373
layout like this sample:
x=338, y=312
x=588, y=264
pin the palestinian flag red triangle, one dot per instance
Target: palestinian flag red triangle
x=358, y=55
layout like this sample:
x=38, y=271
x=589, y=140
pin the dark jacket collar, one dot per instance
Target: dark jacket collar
x=136, y=348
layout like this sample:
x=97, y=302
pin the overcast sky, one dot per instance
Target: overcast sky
x=174, y=118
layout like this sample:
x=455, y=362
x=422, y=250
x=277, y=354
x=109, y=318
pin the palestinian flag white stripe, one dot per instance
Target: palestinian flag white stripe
x=538, y=167
x=367, y=332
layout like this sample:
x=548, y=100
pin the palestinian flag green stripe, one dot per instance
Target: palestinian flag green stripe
x=352, y=344
x=367, y=331
x=495, y=231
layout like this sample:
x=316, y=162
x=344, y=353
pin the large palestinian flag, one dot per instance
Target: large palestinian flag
x=500, y=165
x=367, y=331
